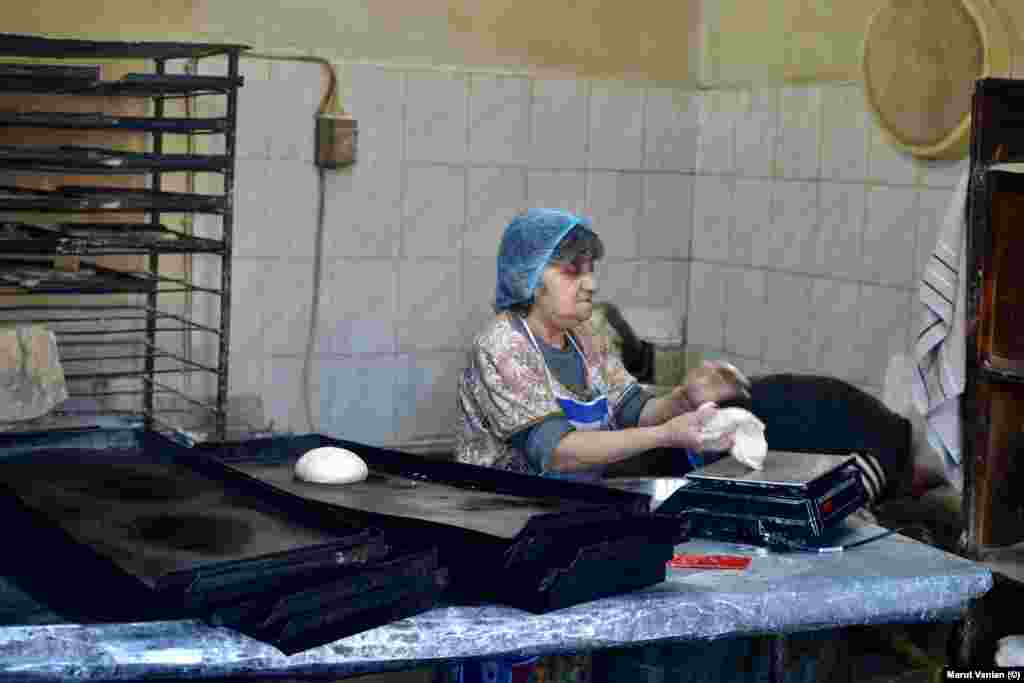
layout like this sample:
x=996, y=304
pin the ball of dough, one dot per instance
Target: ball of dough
x=330, y=465
x=749, y=445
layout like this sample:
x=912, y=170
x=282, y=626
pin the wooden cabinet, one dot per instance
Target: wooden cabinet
x=993, y=402
x=993, y=407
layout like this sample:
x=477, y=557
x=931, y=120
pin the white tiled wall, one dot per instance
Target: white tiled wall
x=774, y=226
x=809, y=243
x=671, y=120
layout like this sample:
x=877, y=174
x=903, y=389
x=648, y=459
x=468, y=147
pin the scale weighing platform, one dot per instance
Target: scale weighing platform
x=795, y=501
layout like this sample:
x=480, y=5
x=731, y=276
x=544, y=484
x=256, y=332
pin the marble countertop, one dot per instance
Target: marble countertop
x=890, y=580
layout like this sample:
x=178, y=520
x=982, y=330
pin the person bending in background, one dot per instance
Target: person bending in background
x=543, y=393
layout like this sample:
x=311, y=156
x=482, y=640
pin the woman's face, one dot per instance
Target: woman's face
x=566, y=294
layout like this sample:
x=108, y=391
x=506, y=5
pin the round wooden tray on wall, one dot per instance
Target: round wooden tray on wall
x=920, y=61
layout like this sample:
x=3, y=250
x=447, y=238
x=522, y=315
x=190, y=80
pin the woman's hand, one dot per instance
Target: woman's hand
x=711, y=382
x=686, y=430
x=714, y=382
x=677, y=402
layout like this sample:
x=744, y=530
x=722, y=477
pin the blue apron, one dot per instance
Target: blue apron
x=584, y=416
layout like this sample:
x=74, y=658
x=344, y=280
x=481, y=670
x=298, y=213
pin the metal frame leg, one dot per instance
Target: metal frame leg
x=777, y=658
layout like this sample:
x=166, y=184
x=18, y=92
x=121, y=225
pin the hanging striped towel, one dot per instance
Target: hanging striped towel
x=940, y=349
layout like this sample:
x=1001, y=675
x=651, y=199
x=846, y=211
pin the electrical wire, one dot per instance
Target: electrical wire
x=782, y=544
x=314, y=308
x=329, y=100
x=870, y=539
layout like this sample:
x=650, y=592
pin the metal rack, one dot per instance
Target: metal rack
x=91, y=233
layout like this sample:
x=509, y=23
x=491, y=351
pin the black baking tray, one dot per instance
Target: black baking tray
x=101, y=121
x=22, y=76
x=27, y=45
x=129, y=238
x=107, y=199
x=19, y=237
x=133, y=85
x=76, y=198
x=157, y=84
x=100, y=238
x=38, y=277
x=385, y=592
x=527, y=541
x=128, y=510
x=101, y=160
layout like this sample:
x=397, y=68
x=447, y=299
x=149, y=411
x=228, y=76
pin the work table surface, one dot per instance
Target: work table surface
x=893, y=579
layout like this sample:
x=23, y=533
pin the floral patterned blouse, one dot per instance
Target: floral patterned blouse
x=505, y=390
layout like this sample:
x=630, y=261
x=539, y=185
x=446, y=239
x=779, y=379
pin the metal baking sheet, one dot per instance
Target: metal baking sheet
x=28, y=77
x=22, y=45
x=128, y=238
x=782, y=468
x=50, y=72
x=71, y=198
x=130, y=199
x=101, y=121
x=153, y=519
x=534, y=543
x=150, y=538
x=99, y=160
x=139, y=85
x=485, y=500
x=172, y=527
x=496, y=514
x=99, y=238
x=39, y=277
x=17, y=237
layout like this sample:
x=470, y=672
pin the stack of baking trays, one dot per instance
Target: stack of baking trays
x=127, y=525
x=118, y=526
x=530, y=542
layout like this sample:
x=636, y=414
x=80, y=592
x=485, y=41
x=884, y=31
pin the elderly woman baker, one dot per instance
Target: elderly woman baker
x=543, y=393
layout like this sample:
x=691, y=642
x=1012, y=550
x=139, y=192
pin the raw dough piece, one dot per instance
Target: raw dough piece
x=749, y=445
x=330, y=465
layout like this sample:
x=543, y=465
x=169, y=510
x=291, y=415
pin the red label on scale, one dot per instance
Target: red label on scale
x=709, y=562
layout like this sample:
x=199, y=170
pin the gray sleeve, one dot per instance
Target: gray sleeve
x=628, y=412
x=539, y=441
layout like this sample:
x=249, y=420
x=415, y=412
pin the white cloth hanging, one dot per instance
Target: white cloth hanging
x=940, y=350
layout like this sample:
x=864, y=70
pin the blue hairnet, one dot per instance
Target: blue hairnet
x=526, y=248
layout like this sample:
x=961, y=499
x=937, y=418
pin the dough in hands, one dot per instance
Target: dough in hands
x=749, y=445
x=330, y=465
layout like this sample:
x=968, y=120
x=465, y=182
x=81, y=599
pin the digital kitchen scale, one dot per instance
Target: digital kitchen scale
x=794, y=501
